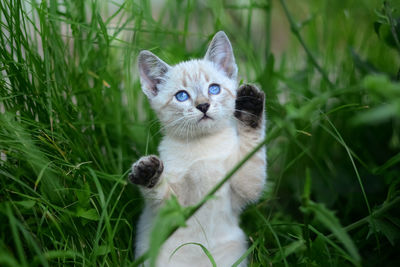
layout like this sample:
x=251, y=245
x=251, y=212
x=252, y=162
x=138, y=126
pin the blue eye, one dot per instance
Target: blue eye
x=214, y=89
x=182, y=96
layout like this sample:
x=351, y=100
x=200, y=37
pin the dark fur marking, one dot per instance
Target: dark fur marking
x=249, y=105
x=147, y=171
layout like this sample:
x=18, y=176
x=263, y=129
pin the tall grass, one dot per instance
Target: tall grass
x=73, y=119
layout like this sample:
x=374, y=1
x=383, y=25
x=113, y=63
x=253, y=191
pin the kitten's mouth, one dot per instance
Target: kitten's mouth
x=205, y=117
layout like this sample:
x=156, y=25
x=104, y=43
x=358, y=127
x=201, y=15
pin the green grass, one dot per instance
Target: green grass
x=73, y=119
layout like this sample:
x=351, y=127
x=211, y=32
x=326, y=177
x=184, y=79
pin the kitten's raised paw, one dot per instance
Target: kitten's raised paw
x=146, y=171
x=249, y=105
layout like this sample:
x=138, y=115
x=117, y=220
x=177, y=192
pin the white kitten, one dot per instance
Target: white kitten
x=209, y=125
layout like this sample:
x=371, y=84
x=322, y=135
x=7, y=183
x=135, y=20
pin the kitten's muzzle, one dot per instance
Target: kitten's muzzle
x=203, y=107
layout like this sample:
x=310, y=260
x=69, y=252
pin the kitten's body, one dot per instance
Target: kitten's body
x=196, y=157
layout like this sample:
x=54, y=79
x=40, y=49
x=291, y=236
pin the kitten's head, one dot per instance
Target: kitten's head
x=196, y=97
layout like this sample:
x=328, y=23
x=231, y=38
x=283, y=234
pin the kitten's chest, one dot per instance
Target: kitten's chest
x=192, y=169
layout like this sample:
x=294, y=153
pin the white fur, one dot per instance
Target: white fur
x=197, y=154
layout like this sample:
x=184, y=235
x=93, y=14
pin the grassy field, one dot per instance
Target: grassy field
x=73, y=119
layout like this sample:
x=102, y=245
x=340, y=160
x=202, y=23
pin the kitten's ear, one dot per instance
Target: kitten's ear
x=220, y=52
x=152, y=72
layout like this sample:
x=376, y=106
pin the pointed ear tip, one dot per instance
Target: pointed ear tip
x=141, y=56
x=221, y=34
x=144, y=56
x=144, y=53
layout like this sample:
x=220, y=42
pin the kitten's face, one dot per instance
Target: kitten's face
x=194, y=98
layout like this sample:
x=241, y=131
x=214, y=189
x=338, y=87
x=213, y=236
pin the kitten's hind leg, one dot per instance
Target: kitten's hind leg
x=147, y=172
x=248, y=182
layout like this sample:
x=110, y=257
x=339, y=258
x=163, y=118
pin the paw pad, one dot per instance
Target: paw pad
x=146, y=171
x=249, y=105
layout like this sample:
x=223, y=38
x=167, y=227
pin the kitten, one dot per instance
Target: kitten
x=209, y=125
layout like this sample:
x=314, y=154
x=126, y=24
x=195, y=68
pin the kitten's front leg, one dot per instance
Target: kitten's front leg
x=249, y=181
x=147, y=173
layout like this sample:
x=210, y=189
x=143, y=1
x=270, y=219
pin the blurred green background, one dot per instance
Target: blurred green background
x=73, y=119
